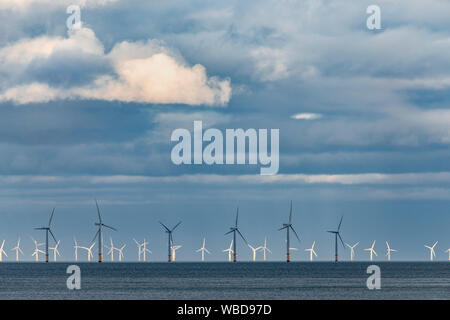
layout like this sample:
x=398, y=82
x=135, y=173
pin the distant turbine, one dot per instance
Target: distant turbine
x=120, y=251
x=311, y=252
x=448, y=250
x=170, y=237
x=229, y=250
x=234, y=230
x=142, y=249
x=111, y=249
x=89, y=251
x=37, y=250
x=389, y=250
x=98, y=235
x=17, y=249
x=254, y=250
x=352, y=250
x=336, y=235
x=288, y=226
x=264, y=249
x=432, y=253
x=2, y=252
x=55, y=251
x=372, y=251
x=76, y=247
x=203, y=250
x=47, y=231
x=174, y=250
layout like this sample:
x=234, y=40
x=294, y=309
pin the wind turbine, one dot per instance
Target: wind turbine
x=111, y=249
x=120, y=250
x=352, y=250
x=2, y=252
x=47, y=231
x=89, y=251
x=98, y=235
x=372, y=250
x=229, y=250
x=432, y=253
x=174, y=250
x=389, y=250
x=76, y=247
x=448, y=250
x=203, y=250
x=37, y=250
x=169, y=232
x=264, y=249
x=17, y=249
x=288, y=226
x=336, y=235
x=142, y=249
x=55, y=251
x=234, y=230
x=311, y=252
x=254, y=250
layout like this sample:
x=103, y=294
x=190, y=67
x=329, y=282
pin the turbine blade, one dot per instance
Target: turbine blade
x=98, y=212
x=290, y=213
x=282, y=228
x=51, y=217
x=242, y=236
x=96, y=234
x=340, y=222
x=176, y=225
x=164, y=226
x=229, y=232
x=295, y=233
x=342, y=241
x=53, y=236
x=237, y=216
x=109, y=227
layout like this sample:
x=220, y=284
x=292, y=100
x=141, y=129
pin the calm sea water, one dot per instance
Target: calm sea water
x=271, y=280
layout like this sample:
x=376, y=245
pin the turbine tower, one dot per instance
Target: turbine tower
x=55, y=251
x=432, y=253
x=229, y=250
x=47, y=231
x=352, y=250
x=389, y=250
x=2, y=251
x=448, y=250
x=254, y=250
x=264, y=249
x=170, y=237
x=372, y=250
x=17, y=249
x=76, y=247
x=336, y=235
x=98, y=235
x=203, y=250
x=288, y=226
x=111, y=249
x=312, y=252
x=234, y=230
x=142, y=249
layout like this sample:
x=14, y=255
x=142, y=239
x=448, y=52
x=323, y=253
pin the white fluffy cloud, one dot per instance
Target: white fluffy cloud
x=144, y=72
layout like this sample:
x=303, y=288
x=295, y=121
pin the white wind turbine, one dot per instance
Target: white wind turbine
x=311, y=252
x=389, y=250
x=2, y=251
x=448, y=250
x=89, y=251
x=352, y=250
x=203, y=250
x=229, y=250
x=55, y=250
x=264, y=249
x=17, y=249
x=37, y=250
x=174, y=249
x=142, y=249
x=111, y=249
x=120, y=250
x=372, y=250
x=254, y=250
x=76, y=247
x=432, y=253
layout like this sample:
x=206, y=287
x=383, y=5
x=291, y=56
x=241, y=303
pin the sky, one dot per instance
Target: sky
x=363, y=118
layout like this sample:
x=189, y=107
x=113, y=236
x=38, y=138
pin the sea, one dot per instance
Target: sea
x=237, y=281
